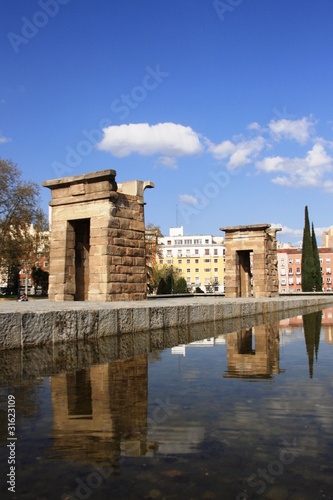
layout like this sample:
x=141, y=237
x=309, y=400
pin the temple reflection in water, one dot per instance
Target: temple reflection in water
x=101, y=411
x=253, y=352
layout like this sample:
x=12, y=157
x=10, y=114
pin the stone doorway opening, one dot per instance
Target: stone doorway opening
x=251, y=261
x=81, y=242
x=245, y=259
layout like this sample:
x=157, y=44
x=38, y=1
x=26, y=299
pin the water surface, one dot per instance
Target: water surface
x=242, y=414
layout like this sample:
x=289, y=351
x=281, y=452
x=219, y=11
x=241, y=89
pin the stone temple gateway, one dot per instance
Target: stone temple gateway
x=251, y=261
x=97, y=241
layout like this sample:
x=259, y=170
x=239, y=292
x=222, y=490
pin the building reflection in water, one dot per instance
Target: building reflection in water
x=253, y=352
x=100, y=413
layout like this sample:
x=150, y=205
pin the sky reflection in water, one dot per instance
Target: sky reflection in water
x=247, y=414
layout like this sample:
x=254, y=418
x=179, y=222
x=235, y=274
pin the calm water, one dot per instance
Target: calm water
x=244, y=414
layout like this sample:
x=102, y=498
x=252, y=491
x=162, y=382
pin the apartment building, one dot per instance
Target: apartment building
x=199, y=258
x=290, y=269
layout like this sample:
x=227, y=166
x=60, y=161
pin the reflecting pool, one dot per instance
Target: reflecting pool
x=244, y=411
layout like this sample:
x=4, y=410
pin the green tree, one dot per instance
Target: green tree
x=19, y=201
x=317, y=278
x=180, y=286
x=308, y=266
x=40, y=279
x=163, y=288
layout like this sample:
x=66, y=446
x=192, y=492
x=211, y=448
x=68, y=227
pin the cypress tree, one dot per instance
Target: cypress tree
x=162, y=288
x=308, y=266
x=318, y=279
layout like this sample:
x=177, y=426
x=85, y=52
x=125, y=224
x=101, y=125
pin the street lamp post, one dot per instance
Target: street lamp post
x=18, y=267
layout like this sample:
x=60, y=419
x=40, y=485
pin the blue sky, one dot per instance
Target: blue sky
x=226, y=105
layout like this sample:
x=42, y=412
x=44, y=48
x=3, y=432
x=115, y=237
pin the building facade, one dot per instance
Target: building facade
x=200, y=259
x=290, y=269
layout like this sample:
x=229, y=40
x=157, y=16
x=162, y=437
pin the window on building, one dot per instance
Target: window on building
x=207, y=242
x=188, y=270
x=298, y=270
x=290, y=271
x=328, y=259
x=207, y=260
x=170, y=261
x=298, y=260
x=291, y=281
x=196, y=261
x=283, y=272
x=197, y=242
x=180, y=261
x=216, y=270
x=290, y=261
x=298, y=281
x=188, y=242
x=283, y=282
x=328, y=270
x=207, y=251
x=216, y=261
x=196, y=270
x=188, y=261
x=328, y=279
x=178, y=242
x=215, y=251
x=196, y=251
x=207, y=270
x=169, y=242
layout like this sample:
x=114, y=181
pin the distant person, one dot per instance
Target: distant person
x=23, y=298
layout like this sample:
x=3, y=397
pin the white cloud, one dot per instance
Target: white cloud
x=254, y=126
x=167, y=139
x=298, y=233
x=298, y=130
x=300, y=172
x=4, y=139
x=238, y=153
x=188, y=198
x=295, y=233
x=167, y=161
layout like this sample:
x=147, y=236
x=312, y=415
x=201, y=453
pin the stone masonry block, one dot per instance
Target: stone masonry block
x=37, y=329
x=156, y=319
x=107, y=322
x=64, y=326
x=140, y=320
x=87, y=324
x=10, y=331
x=125, y=320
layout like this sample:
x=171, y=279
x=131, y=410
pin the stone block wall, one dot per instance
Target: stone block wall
x=97, y=248
x=251, y=261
